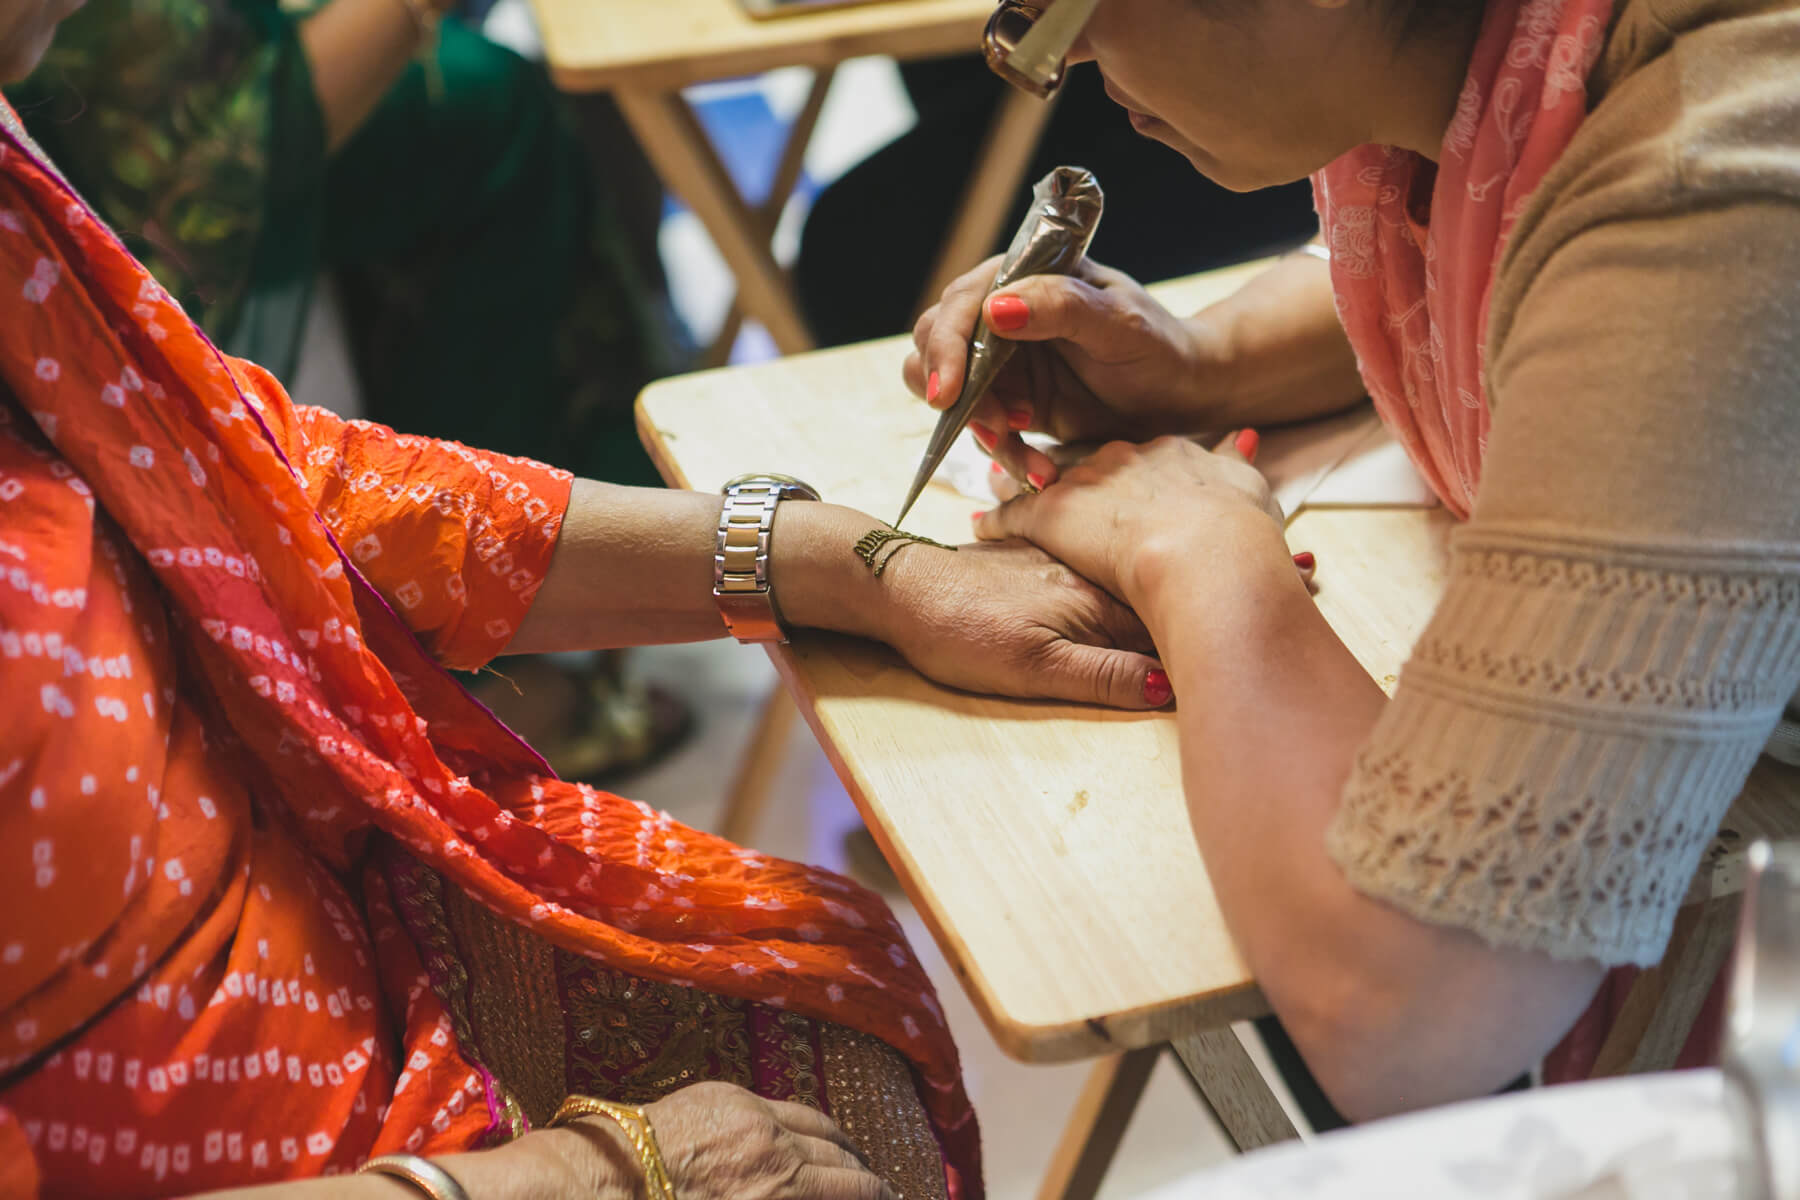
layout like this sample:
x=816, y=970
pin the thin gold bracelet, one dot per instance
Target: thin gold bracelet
x=636, y=1124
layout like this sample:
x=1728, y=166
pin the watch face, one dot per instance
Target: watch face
x=791, y=488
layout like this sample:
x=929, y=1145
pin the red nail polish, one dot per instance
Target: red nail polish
x=1157, y=689
x=1304, y=560
x=978, y=516
x=993, y=468
x=1008, y=314
x=1019, y=418
x=1247, y=441
x=984, y=435
x=931, y=387
x=1037, y=481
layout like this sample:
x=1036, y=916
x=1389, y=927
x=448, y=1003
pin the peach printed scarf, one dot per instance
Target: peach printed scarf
x=1414, y=280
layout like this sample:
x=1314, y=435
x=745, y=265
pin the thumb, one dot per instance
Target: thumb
x=1041, y=308
x=1099, y=675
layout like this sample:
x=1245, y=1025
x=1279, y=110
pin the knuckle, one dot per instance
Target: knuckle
x=1131, y=320
x=1112, y=676
x=1113, y=454
x=922, y=327
x=1052, y=299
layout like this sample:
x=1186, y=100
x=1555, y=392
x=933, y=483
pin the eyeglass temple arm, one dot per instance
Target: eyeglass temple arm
x=1039, y=54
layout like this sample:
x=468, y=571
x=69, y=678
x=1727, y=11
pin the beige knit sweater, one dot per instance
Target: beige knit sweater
x=1621, y=629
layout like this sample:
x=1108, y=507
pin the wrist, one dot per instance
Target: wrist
x=1213, y=399
x=1237, y=556
x=818, y=581
x=592, y=1156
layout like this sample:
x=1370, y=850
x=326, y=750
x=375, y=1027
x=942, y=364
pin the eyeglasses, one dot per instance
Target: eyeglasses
x=1027, y=41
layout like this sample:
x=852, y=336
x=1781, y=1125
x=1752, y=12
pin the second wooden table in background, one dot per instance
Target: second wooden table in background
x=645, y=51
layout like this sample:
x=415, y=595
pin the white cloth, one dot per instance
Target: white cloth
x=1646, y=1137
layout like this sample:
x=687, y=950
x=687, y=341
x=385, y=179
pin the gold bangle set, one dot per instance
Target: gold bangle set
x=435, y=1182
x=636, y=1125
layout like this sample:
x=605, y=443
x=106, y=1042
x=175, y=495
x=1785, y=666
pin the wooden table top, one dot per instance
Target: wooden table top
x=1047, y=845
x=666, y=44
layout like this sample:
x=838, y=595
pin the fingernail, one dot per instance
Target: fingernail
x=984, y=435
x=1019, y=418
x=1036, y=481
x=931, y=387
x=994, y=468
x=978, y=516
x=1304, y=560
x=1008, y=314
x=1157, y=690
x=1247, y=441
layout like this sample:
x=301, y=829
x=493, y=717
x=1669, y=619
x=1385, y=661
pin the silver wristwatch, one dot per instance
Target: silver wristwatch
x=741, y=586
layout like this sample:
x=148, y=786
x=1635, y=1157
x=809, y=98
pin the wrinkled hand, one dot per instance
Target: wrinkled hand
x=1010, y=620
x=1128, y=507
x=723, y=1143
x=1101, y=359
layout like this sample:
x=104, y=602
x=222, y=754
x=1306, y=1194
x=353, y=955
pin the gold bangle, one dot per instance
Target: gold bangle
x=636, y=1124
x=422, y=1173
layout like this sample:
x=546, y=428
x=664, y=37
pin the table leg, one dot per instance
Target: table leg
x=672, y=136
x=749, y=794
x=1230, y=1085
x=1097, y=1126
x=768, y=214
x=987, y=199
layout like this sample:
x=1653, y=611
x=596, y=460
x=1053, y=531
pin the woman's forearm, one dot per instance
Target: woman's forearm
x=1287, y=355
x=1390, y=1012
x=356, y=49
x=634, y=567
x=589, y=1159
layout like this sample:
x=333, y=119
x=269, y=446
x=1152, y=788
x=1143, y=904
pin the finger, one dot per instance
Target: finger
x=1004, y=486
x=945, y=345
x=1307, y=565
x=1015, y=518
x=1123, y=627
x=1241, y=445
x=821, y=1153
x=1024, y=463
x=810, y=1122
x=912, y=374
x=830, y=1183
x=1101, y=675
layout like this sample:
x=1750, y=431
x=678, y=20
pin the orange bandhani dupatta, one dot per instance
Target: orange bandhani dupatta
x=356, y=728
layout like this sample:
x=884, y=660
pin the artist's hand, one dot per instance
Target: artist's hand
x=1008, y=619
x=1127, y=511
x=1100, y=360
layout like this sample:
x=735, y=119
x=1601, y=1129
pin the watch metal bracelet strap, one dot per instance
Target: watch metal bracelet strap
x=422, y=1173
x=741, y=586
